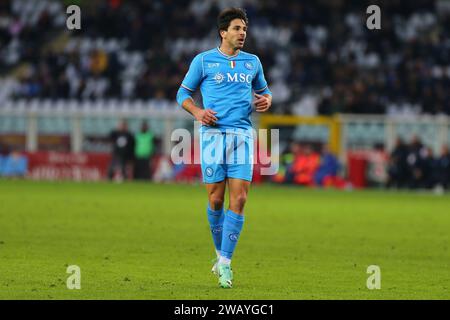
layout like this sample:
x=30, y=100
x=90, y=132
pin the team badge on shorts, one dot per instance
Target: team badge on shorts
x=209, y=172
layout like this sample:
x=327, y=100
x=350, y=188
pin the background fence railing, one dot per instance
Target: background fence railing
x=80, y=120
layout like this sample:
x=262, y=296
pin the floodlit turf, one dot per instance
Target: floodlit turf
x=149, y=241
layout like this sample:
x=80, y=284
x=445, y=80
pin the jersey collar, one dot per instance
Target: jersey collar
x=227, y=56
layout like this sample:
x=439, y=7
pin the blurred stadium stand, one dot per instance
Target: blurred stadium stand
x=129, y=58
x=318, y=55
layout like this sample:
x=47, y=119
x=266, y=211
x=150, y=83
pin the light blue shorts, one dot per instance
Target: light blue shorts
x=226, y=155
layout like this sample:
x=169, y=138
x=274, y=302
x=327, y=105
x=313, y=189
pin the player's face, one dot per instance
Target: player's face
x=236, y=34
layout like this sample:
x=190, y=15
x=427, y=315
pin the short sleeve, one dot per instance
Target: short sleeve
x=194, y=76
x=259, y=83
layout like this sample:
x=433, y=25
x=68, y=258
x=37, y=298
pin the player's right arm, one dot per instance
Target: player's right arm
x=190, y=83
x=205, y=116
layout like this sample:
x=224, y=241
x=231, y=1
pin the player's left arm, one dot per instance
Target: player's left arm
x=263, y=96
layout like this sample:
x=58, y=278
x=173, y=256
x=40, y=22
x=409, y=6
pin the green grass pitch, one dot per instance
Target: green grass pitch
x=150, y=241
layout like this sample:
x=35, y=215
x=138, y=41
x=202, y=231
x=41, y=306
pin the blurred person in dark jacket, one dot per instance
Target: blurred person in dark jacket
x=417, y=164
x=398, y=167
x=443, y=168
x=123, y=150
x=429, y=166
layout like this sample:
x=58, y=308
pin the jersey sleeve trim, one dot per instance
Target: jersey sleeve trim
x=203, y=66
x=187, y=88
x=262, y=89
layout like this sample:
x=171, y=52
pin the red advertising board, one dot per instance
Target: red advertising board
x=357, y=169
x=68, y=166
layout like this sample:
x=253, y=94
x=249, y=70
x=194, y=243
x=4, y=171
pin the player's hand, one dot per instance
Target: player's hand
x=206, y=117
x=262, y=103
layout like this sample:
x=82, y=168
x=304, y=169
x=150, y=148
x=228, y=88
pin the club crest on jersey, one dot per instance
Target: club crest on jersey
x=232, y=64
x=248, y=65
x=219, y=77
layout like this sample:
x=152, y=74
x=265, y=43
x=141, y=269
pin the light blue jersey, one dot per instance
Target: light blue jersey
x=226, y=84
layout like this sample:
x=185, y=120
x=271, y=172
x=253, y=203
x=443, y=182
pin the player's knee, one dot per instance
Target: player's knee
x=239, y=200
x=215, y=202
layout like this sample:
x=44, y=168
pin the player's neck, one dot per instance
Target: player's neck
x=229, y=51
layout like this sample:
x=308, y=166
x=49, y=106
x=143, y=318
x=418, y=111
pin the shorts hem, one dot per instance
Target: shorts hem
x=214, y=180
x=241, y=178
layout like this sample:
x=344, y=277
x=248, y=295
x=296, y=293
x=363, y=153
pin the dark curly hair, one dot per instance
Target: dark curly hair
x=226, y=16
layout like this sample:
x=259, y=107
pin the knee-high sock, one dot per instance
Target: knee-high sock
x=215, y=218
x=232, y=227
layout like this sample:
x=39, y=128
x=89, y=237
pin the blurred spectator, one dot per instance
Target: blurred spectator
x=122, y=150
x=304, y=166
x=378, y=166
x=295, y=150
x=416, y=161
x=443, y=168
x=323, y=60
x=143, y=150
x=286, y=159
x=398, y=166
x=414, y=166
x=429, y=169
x=328, y=169
x=13, y=165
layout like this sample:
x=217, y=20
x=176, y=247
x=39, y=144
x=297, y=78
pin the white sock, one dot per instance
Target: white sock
x=218, y=253
x=224, y=260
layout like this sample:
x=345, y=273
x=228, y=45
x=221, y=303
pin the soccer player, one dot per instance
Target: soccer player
x=228, y=78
